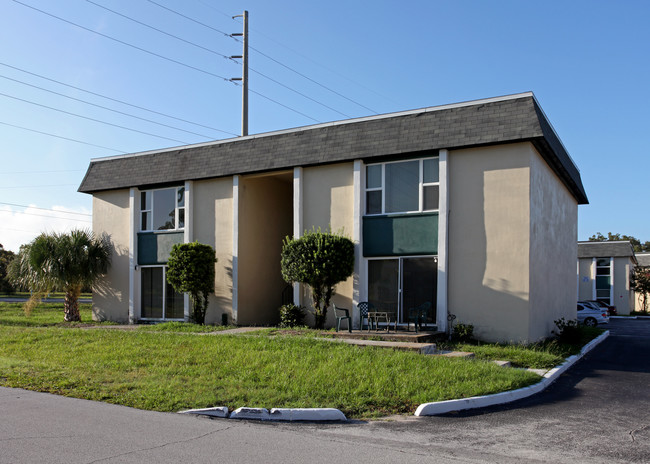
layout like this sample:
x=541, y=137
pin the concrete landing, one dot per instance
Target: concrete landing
x=400, y=336
x=422, y=348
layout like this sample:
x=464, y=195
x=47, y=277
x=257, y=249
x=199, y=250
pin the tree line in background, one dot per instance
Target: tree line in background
x=636, y=243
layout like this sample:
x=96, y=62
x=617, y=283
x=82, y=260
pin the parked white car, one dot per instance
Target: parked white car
x=590, y=315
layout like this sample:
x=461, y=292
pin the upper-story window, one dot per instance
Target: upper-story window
x=402, y=186
x=162, y=209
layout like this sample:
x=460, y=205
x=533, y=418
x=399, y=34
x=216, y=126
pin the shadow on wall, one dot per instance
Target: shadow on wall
x=111, y=293
x=220, y=302
x=486, y=256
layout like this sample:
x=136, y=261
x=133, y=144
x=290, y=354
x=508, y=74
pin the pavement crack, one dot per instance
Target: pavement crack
x=640, y=429
x=160, y=446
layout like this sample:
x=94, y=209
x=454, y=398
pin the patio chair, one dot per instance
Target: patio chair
x=341, y=315
x=417, y=315
x=364, y=308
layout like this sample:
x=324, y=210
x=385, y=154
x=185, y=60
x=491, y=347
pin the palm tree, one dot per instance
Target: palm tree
x=66, y=262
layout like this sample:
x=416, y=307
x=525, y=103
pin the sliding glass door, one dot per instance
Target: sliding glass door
x=397, y=284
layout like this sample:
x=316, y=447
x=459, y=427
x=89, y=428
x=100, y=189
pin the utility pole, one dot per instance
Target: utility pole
x=244, y=78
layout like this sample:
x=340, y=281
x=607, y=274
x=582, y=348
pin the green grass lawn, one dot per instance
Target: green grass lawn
x=166, y=369
x=49, y=295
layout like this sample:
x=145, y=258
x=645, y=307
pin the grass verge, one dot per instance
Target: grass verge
x=160, y=370
x=166, y=372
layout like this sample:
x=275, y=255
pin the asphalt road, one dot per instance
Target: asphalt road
x=599, y=412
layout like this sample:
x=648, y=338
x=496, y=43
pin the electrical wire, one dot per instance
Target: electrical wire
x=160, y=30
x=91, y=119
x=45, y=216
x=285, y=106
x=36, y=186
x=218, y=54
x=105, y=107
x=161, y=56
x=38, y=172
x=62, y=137
x=189, y=18
x=115, y=100
x=45, y=209
x=123, y=42
x=298, y=72
x=257, y=93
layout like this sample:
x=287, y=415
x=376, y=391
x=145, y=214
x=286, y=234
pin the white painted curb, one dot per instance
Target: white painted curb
x=220, y=411
x=442, y=407
x=307, y=414
x=250, y=413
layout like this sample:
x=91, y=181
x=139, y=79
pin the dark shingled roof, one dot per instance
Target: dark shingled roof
x=605, y=249
x=508, y=119
x=643, y=259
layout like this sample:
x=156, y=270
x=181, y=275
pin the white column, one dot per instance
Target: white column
x=611, y=281
x=594, y=264
x=133, y=228
x=235, y=246
x=188, y=237
x=298, y=228
x=443, y=245
x=360, y=284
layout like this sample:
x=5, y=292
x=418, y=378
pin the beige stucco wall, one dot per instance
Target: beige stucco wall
x=489, y=240
x=328, y=202
x=585, y=279
x=623, y=297
x=111, y=294
x=212, y=221
x=265, y=219
x=553, y=250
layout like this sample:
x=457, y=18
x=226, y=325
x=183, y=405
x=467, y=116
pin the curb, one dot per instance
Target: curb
x=276, y=414
x=442, y=407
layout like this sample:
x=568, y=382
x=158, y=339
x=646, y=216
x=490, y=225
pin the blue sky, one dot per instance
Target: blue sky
x=588, y=63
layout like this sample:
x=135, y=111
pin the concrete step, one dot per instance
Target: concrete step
x=422, y=348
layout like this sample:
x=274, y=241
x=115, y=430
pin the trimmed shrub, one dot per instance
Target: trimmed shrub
x=191, y=270
x=320, y=260
x=463, y=332
x=291, y=315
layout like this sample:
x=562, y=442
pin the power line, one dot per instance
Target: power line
x=92, y=119
x=333, y=71
x=215, y=53
x=116, y=100
x=45, y=209
x=36, y=186
x=257, y=93
x=158, y=55
x=62, y=137
x=285, y=106
x=38, y=172
x=104, y=107
x=123, y=43
x=189, y=18
x=314, y=81
x=298, y=72
x=161, y=31
x=45, y=216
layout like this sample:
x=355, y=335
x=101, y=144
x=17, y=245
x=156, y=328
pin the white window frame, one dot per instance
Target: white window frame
x=164, y=294
x=421, y=186
x=177, y=209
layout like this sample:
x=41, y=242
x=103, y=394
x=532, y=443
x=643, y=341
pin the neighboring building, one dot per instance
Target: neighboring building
x=643, y=259
x=604, y=273
x=471, y=206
